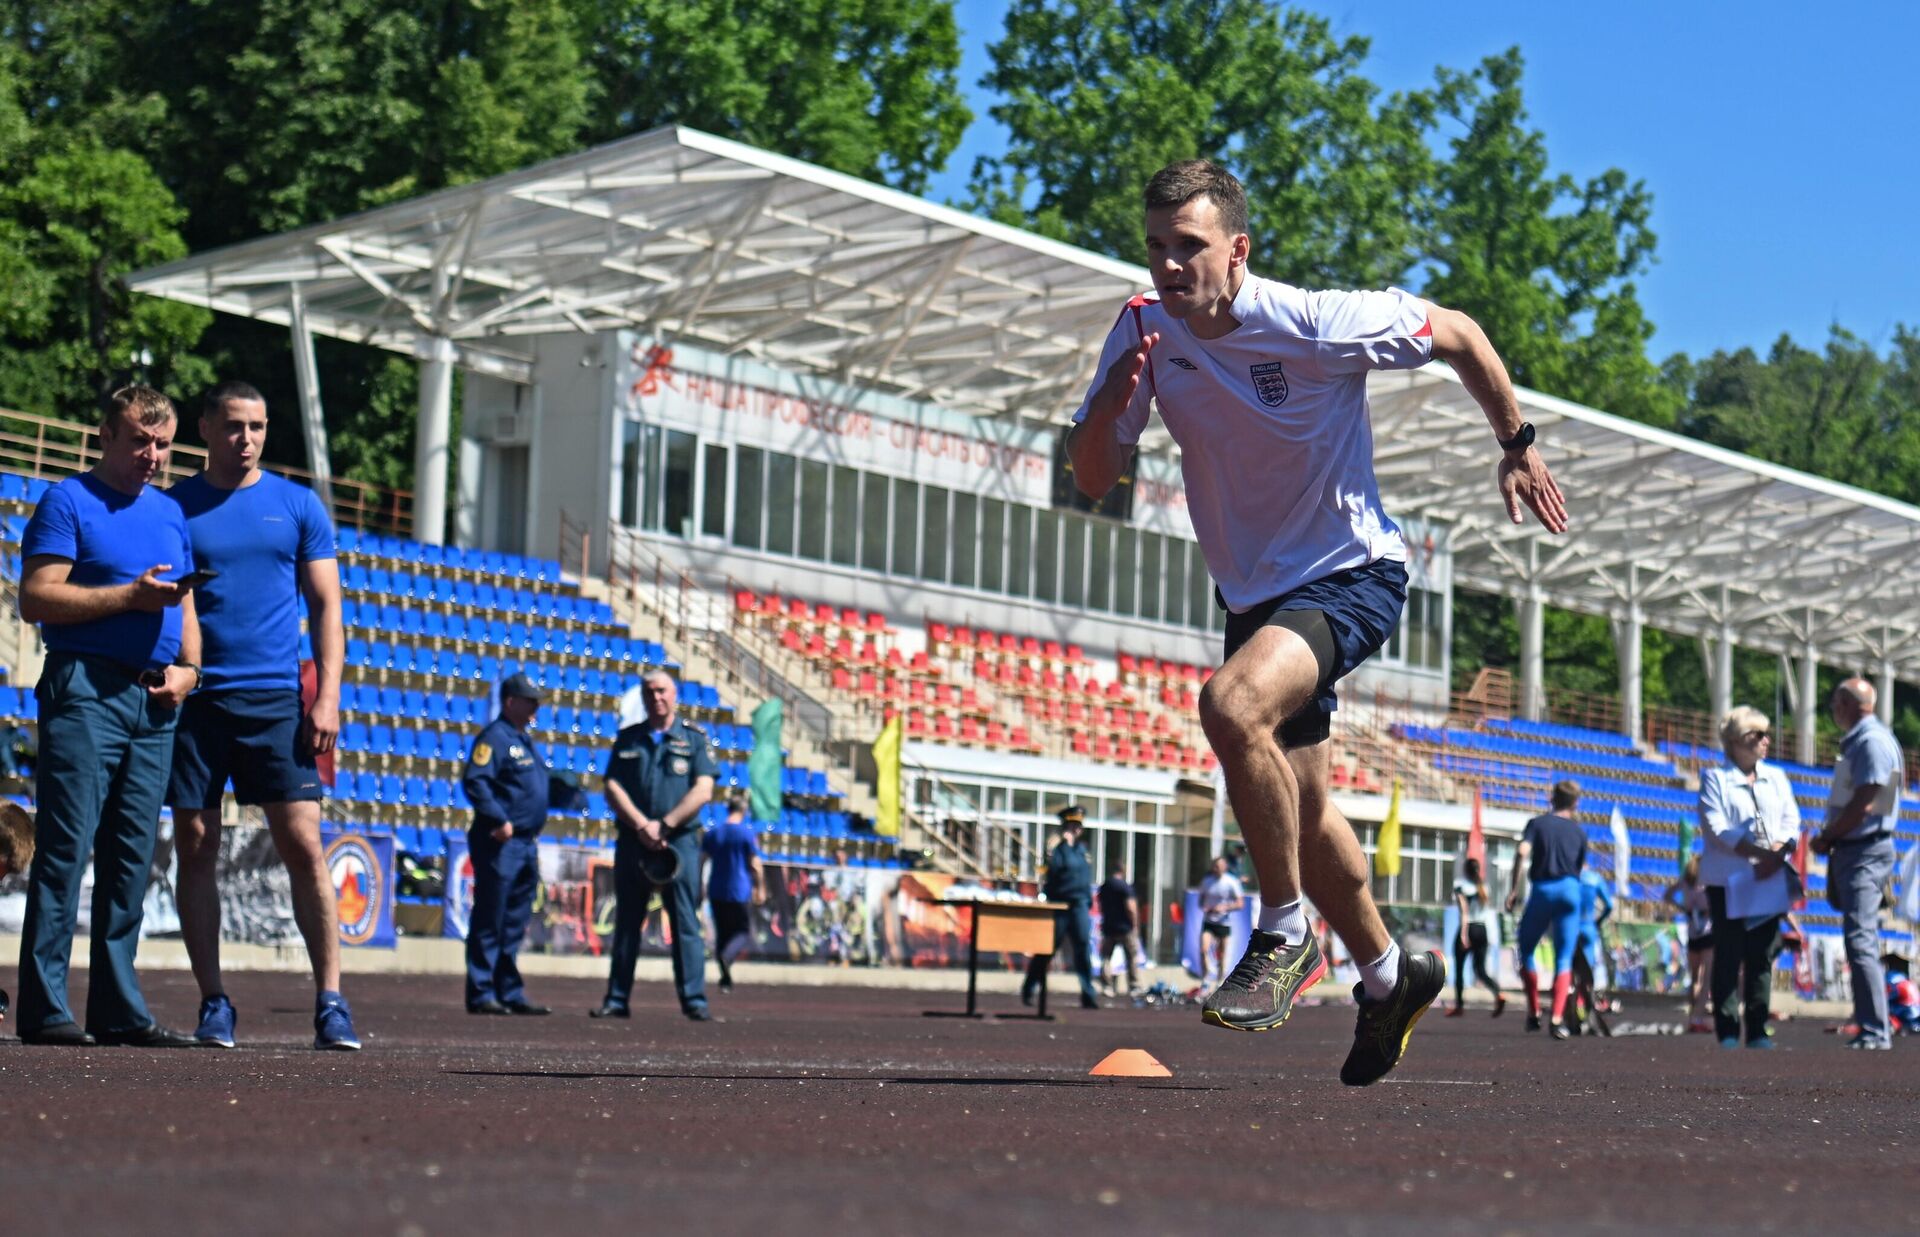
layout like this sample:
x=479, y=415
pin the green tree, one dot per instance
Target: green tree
x=867, y=87
x=75, y=217
x=1100, y=94
x=1544, y=264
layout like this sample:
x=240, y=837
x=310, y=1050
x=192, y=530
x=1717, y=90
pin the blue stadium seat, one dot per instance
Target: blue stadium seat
x=356, y=578
x=380, y=739
x=406, y=741
x=439, y=795
x=353, y=737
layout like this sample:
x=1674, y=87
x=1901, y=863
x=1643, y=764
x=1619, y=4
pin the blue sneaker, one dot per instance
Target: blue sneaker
x=216, y=1022
x=1731, y=1041
x=1765, y=1043
x=333, y=1024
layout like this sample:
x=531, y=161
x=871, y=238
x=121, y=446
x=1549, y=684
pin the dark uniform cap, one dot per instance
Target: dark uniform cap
x=1073, y=814
x=518, y=684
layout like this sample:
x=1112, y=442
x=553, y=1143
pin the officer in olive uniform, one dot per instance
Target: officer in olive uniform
x=507, y=781
x=658, y=777
x=1069, y=880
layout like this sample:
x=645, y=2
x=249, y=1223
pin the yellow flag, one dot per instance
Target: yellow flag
x=886, y=763
x=1386, y=854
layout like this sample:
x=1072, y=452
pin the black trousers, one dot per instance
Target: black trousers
x=732, y=931
x=1739, y=947
x=1476, y=946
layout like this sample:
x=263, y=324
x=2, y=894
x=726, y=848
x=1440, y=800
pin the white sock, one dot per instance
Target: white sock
x=1378, y=977
x=1288, y=920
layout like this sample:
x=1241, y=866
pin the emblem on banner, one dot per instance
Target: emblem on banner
x=358, y=886
x=459, y=901
x=1270, y=384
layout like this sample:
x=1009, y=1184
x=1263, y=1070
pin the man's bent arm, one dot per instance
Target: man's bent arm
x=622, y=804
x=46, y=596
x=1098, y=455
x=1459, y=341
x=698, y=796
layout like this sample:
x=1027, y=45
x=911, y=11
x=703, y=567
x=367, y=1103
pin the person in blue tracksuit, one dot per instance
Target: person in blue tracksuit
x=1553, y=850
x=507, y=781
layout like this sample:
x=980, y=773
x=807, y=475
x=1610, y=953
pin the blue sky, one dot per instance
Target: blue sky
x=1778, y=140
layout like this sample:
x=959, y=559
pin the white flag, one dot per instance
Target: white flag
x=1622, y=853
x=1910, y=886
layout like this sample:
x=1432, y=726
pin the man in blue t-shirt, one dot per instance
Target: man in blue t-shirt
x=271, y=542
x=104, y=558
x=1553, y=850
x=735, y=882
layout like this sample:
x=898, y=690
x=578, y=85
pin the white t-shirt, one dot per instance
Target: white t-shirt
x=1217, y=893
x=1275, y=438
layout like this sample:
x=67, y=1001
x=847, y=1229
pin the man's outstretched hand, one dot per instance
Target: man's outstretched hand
x=1524, y=479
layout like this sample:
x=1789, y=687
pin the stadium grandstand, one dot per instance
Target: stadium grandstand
x=795, y=435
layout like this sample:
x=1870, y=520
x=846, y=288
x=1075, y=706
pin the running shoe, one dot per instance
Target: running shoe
x=333, y=1024
x=1456, y=1011
x=1863, y=1043
x=1259, y=995
x=1764, y=1042
x=1383, y=1028
x=1730, y=1041
x=216, y=1022
x=1499, y=1006
x=1560, y=1030
x=1533, y=1022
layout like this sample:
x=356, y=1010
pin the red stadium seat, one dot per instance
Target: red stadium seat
x=963, y=636
x=916, y=724
x=876, y=621
x=942, y=726
x=970, y=729
x=745, y=601
x=938, y=633
x=1082, y=745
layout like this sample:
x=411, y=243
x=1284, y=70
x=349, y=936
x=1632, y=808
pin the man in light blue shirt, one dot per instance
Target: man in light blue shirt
x=1858, y=843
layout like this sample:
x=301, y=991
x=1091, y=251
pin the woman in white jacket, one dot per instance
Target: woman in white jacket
x=1748, y=825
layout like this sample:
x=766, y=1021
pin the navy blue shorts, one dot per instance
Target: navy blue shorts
x=1358, y=611
x=252, y=737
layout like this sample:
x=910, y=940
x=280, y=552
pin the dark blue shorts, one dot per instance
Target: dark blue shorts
x=252, y=737
x=1358, y=611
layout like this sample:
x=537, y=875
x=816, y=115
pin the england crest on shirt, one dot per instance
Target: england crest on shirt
x=1270, y=384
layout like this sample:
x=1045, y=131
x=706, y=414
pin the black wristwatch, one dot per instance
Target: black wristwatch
x=199, y=676
x=1520, y=441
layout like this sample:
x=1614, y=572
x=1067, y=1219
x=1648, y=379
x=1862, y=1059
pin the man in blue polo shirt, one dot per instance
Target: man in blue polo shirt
x=102, y=557
x=271, y=542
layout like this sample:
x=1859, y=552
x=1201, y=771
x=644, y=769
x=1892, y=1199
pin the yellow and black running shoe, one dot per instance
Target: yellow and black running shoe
x=1259, y=994
x=1380, y=1038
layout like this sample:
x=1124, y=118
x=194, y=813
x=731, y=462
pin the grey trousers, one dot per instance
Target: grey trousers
x=1856, y=887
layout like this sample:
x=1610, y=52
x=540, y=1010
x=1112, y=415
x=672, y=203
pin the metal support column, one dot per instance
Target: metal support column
x=1533, y=688
x=1884, y=706
x=306, y=377
x=1805, y=709
x=1627, y=633
x=432, y=443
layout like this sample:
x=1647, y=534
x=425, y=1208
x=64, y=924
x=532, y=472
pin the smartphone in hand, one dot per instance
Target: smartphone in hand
x=194, y=579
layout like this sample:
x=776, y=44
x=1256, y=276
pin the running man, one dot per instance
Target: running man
x=1553, y=850
x=271, y=542
x=1264, y=386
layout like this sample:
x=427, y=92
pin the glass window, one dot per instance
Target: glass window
x=873, y=521
x=993, y=543
x=933, y=542
x=630, y=474
x=1200, y=605
x=782, y=475
x=1046, y=556
x=813, y=510
x=1150, y=575
x=966, y=537
x=1073, y=561
x=906, y=528
x=651, y=487
x=713, y=498
x=1126, y=553
x=1173, y=607
x=749, y=489
x=1026, y=802
x=845, y=533
x=1019, y=549
x=1100, y=566
x=677, y=493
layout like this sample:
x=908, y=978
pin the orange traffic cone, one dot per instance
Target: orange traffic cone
x=1130, y=1063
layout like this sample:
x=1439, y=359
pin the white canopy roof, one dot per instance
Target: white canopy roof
x=687, y=236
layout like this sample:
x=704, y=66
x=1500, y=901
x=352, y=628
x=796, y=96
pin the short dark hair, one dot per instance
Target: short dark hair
x=1566, y=793
x=217, y=396
x=1179, y=183
x=143, y=405
x=736, y=803
x=16, y=837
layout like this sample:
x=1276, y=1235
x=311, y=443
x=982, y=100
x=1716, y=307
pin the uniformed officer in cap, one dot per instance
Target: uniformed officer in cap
x=659, y=775
x=1069, y=880
x=507, y=781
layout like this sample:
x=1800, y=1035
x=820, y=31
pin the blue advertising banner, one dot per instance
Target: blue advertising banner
x=361, y=867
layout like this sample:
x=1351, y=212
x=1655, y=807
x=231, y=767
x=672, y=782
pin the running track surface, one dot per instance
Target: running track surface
x=846, y=1111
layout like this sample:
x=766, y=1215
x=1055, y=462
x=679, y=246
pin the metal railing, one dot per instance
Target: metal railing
x=37, y=446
